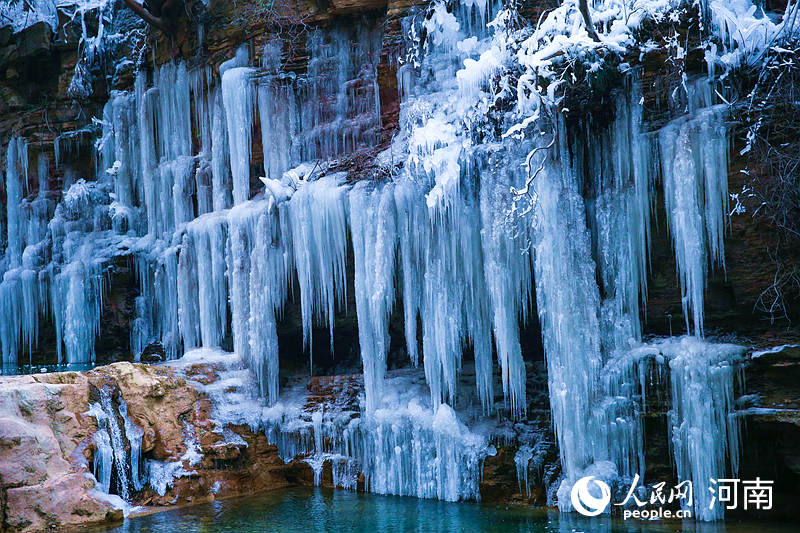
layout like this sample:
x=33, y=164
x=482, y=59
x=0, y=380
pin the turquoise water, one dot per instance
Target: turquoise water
x=320, y=510
x=9, y=370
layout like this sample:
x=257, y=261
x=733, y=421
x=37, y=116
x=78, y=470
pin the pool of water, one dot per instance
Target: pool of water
x=9, y=370
x=321, y=510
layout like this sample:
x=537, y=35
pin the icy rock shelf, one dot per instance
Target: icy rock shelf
x=172, y=192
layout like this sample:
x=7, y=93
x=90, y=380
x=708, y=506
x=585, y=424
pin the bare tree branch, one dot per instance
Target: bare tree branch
x=583, y=6
x=148, y=17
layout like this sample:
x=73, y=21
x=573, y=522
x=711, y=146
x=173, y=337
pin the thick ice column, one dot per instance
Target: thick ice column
x=704, y=429
x=175, y=119
x=694, y=152
x=685, y=217
x=455, y=302
x=318, y=212
x=204, y=187
x=147, y=104
x=19, y=313
x=182, y=174
x=209, y=237
x=238, y=97
x=202, y=108
x=220, y=158
x=78, y=289
x=241, y=235
x=374, y=233
x=270, y=275
x=126, y=137
x=188, y=312
x=508, y=271
x=568, y=312
x=412, y=230
x=16, y=172
x=165, y=282
x=621, y=165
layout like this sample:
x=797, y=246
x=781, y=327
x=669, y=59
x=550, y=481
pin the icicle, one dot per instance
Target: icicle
x=567, y=311
x=342, y=110
x=16, y=177
x=241, y=241
x=239, y=100
x=208, y=238
x=174, y=107
x=19, y=313
x=80, y=289
x=412, y=229
x=126, y=135
x=318, y=214
x=147, y=102
x=694, y=170
x=374, y=233
x=403, y=447
x=220, y=172
x=111, y=456
x=188, y=312
x=270, y=276
x=277, y=109
x=508, y=269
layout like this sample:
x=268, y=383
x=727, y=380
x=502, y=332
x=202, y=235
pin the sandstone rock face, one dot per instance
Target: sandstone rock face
x=47, y=449
x=43, y=436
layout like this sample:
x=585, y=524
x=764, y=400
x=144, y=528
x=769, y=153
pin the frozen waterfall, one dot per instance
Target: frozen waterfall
x=444, y=236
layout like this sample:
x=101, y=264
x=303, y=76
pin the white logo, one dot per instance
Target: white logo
x=584, y=502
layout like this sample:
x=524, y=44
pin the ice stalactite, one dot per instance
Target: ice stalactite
x=173, y=192
x=341, y=100
x=220, y=169
x=318, y=221
x=19, y=289
x=568, y=312
x=242, y=236
x=704, y=430
x=411, y=226
x=278, y=114
x=16, y=178
x=270, y=277
x=373, y=227
x=239, y=99
x=506, y=242
x=694, y=155
x=208, y=237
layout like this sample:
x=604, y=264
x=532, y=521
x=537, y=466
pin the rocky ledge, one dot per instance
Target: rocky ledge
x=47, y=447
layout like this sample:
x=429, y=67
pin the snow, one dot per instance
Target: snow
x=162, y=474
x=775, y=349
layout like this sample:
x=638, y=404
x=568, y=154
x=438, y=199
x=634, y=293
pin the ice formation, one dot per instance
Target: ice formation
x=118, y=454
x=446, y=237
x=110, y=440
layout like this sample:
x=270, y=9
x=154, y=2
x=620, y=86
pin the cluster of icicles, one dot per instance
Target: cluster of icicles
x=173, y=191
